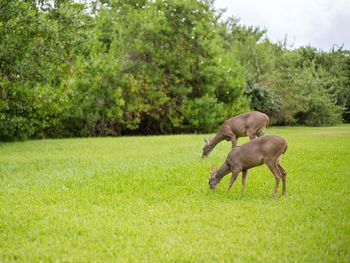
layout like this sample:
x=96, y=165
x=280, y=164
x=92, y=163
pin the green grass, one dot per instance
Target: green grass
x=147, y=199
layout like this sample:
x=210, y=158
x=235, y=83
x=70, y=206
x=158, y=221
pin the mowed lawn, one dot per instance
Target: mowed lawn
x=139, y=199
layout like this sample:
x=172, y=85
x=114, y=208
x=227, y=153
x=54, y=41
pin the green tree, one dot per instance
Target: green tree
x=36, y=49
x=158, y=64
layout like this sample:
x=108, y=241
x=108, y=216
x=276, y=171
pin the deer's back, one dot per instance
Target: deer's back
x=240, y=124
x=257, y=151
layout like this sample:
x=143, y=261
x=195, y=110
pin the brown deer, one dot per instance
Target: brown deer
x=265, y=149
x=251, y=124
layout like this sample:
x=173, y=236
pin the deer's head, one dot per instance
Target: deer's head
x=213, y=180
x=206, y=148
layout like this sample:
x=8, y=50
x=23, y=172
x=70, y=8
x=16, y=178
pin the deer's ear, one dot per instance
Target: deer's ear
x=209, y=140
x=205, y=140
x=213, y=171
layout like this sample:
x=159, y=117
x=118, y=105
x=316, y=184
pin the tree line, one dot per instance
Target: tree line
x=117, y=67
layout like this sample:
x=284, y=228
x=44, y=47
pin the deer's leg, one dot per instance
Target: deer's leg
x=260, y=133
x=281, y=169
x=244, y=179
x=233, y=140
x=283, y=175
x=251, y=135
x=276, y=172
x=284, y=189
x=233, y=179
x=277, y=179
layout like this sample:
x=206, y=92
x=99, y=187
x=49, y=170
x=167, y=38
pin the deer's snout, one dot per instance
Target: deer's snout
x=204, y=154
x=212, y=184
x=212, y=187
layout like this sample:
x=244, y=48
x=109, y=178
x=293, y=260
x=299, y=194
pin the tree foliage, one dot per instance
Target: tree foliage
x=147, y=67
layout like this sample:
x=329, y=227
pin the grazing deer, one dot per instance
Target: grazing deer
x=251, y=124
x=265, y=149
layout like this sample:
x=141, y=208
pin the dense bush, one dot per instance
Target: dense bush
x=149, y=67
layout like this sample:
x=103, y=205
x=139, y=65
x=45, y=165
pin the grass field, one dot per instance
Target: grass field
x=143, y=199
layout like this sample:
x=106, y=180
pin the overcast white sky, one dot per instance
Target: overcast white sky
x=320, y=23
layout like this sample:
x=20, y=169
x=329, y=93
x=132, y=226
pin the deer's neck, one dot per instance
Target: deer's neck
x=223, y=170
x=217, y=138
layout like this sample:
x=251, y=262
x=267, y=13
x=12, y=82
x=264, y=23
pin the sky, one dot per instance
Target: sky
x=319, y=23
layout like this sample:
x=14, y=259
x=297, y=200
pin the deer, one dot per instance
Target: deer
x=265, y=149
x=251, y=124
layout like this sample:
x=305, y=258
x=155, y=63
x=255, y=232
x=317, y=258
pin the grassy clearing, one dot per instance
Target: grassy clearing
x=147, y=199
